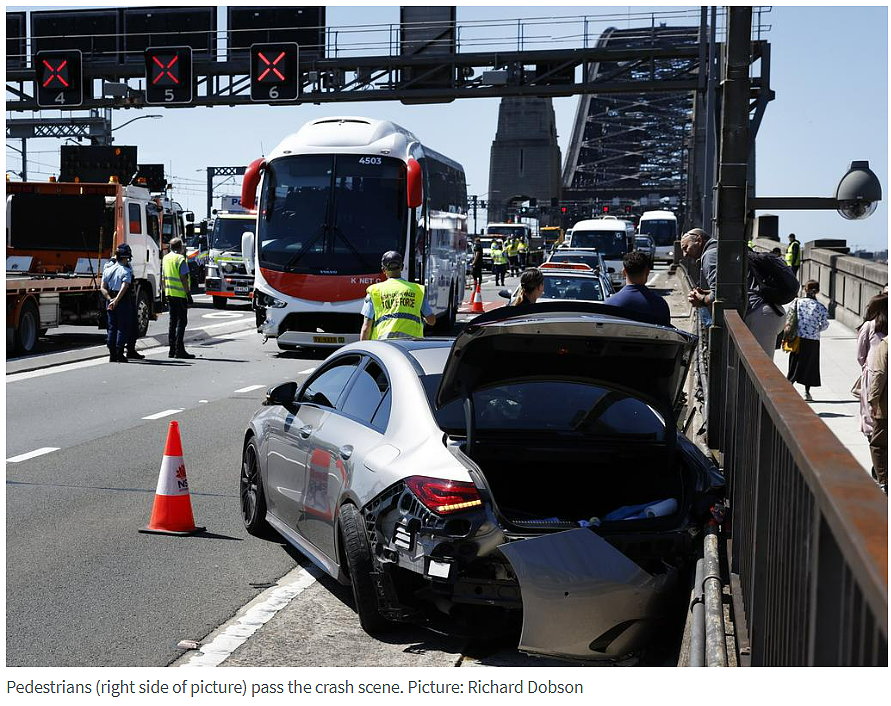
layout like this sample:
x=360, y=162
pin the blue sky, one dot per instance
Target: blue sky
x=829, y=71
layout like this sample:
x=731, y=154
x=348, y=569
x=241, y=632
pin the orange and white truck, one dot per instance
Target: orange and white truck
x=58, y=238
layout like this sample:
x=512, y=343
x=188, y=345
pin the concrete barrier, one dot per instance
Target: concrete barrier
x=847, y=283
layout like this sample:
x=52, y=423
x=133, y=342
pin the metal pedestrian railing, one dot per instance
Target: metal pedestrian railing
x=809, y=532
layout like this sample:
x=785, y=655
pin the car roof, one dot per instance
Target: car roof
x=428, y=353
x=600, y=224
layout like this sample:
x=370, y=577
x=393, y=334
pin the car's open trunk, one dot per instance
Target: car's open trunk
x=532, y=484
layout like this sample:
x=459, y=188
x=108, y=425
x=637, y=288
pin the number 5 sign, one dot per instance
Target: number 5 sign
x=275, y=74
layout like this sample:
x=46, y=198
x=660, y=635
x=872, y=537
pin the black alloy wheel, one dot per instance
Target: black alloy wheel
x=253, y=501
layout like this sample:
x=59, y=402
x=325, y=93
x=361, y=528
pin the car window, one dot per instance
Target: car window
x=326, y=387
x=134, y=212
x=581, y=288
x=557, y=406
x=366, y=394
x=382, y=416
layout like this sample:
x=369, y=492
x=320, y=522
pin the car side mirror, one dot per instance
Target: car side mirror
x=611, y=270
x=283, y=394
x=247, y=251
x=190, y=216
x=504, y=293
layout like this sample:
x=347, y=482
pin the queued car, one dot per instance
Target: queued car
x=565, y=281
x=459, y=494
x=646, y=244
x=592, y=258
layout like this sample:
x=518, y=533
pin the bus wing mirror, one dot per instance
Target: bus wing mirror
x=415, y=183
x=247, y=251
x=250, y=182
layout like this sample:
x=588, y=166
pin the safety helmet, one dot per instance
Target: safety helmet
x=391, y=261
x=123, y=250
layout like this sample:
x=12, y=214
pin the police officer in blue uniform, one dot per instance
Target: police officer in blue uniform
x=117, y=280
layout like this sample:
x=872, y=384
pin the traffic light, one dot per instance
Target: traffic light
x=627, y=209
x=168, y=75
x=563, y=209
x=59, y=79
x=604, y=209
x=275, y=74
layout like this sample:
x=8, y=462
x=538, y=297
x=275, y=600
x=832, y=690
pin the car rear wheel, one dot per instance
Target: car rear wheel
x=358, y=560
x=220, y=302
x=253, y=501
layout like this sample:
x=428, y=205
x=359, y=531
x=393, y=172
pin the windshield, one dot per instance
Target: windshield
x=227, y=232
x=592, y=260
x=332, y=214
x=612, y=244
x=518, y=231
x=664, y=232
x=552, y=406
x=567, y=287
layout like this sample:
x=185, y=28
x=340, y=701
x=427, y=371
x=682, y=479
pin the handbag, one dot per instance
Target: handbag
x=791, y=341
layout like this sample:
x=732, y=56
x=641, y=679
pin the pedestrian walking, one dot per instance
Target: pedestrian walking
x=395, y=308
x=499, y=262
x=635, y=295
x=521, y=253
x=877, y=396
x=513, y=257
x=793, y=254
x=117, y=278
x=871, y=333
x=476, y=267
x=807, y=318
x=531, y=288
x=175, y=280
x=764, y=319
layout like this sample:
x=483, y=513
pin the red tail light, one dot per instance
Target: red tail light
x=444, y=496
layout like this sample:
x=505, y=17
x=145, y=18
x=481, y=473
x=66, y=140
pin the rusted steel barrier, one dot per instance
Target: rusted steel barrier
x=809, y=527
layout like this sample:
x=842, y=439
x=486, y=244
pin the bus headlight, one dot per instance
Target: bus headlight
x=261, y=299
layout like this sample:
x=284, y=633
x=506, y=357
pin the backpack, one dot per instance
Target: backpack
x=775, y=280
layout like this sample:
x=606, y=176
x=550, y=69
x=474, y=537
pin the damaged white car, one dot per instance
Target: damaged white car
x=527, y=474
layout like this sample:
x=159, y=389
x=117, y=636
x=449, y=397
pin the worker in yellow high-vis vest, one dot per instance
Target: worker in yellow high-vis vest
x=513, y=253
x=395, y=308
x=793, y=254
x=175, y=284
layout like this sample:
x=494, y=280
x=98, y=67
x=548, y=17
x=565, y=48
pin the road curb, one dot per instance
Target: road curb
x=51, y=360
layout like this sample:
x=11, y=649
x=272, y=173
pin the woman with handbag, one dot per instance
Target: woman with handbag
x=871, y=332
x=807, y=318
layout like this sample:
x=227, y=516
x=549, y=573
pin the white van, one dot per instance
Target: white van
x=662, y=227
x=610, y=237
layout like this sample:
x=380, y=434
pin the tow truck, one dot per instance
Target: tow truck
x=58, y=238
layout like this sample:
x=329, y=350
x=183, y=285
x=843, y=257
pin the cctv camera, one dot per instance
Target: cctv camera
x=859, y=192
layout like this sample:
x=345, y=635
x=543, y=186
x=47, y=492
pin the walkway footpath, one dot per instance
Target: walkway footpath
x=833, y=401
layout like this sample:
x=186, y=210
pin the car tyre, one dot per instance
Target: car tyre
x=220, y=302
x=358, y=560
x=253, y=500
x=26, y=333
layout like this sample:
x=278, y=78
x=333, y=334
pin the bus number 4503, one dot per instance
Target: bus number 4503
x=370, y=160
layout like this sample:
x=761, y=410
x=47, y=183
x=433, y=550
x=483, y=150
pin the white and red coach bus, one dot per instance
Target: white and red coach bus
x=334, y=197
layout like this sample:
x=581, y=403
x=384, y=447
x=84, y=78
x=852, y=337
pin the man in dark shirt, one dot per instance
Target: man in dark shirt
x=635, y=295
x=476, y=267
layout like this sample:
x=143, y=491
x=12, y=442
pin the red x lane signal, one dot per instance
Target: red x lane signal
x=58, y=79
x=168, y=75
x=275, y=74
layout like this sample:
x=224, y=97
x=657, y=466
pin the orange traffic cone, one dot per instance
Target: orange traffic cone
x=476, y=304
x=172, y=511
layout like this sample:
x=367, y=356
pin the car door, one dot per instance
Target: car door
x=136, y=237
x=338, y=450
x=290, y=436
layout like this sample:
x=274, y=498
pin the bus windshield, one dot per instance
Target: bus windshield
x=518, y=231
x=332, y=214
x=227, y=232
x=612, y=244
x=663, y=231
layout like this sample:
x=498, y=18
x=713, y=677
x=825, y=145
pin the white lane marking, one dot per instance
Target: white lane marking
x=252, y=617
x=208, y=328
x=652, y=280
x=32, y=454
x=202, y=401
x=250, y=388
x=223, y=315
x=165, y=413
x=307, y=371
x=238, y=334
